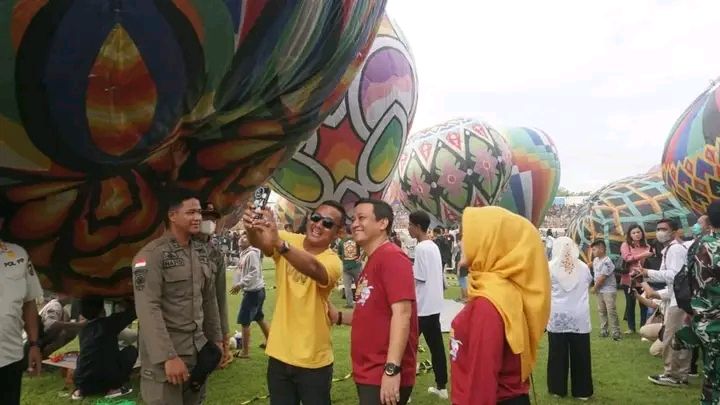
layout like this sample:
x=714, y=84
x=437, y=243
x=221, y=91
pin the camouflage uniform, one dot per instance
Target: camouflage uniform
x=704, y=329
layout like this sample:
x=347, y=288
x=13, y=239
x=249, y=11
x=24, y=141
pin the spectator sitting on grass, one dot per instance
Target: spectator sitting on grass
x=102, y=368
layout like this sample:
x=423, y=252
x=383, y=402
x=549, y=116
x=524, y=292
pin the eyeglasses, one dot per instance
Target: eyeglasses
x=327, y=222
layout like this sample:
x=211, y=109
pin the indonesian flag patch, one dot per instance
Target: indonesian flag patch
x=139, y=270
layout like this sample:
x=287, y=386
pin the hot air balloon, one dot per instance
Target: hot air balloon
x=535, y=173
x=354, y=152
x=288, y=213
x=460, y=163
x=103, y=104
x=609, y=212
x=690, y=163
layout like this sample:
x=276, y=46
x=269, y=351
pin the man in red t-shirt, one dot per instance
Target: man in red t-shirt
x=384, y=336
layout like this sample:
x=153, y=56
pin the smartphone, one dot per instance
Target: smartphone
x=260, y=200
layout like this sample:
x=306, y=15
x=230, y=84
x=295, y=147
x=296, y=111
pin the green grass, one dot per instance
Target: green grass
x=620, y=370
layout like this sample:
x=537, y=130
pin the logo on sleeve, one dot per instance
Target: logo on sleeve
x=139, y=271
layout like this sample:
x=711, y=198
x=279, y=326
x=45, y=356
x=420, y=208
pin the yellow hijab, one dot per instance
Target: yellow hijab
x=507, y=265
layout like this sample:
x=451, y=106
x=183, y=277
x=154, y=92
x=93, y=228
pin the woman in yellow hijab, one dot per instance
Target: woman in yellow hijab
x=494, y=339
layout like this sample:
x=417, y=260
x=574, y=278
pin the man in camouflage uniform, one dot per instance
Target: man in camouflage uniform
x=704, y=328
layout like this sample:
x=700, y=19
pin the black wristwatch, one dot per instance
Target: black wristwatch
x=284, y=248
x=32, y=343
x=392, y=369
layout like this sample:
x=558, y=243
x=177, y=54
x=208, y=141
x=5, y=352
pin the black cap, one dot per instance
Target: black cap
x=208, y=210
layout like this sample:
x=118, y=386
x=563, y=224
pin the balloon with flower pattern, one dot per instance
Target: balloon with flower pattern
x=457, y=164
x=354, y=152
x=535, y=173
x=691, y=159
x=105, y=103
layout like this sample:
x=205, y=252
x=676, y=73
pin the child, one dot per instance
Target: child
x=606, y=289
x=102, y=368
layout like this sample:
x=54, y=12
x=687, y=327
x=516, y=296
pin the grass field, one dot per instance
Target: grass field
x=620, y=371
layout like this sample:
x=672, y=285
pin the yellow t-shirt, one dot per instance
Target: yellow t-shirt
x=300, y=330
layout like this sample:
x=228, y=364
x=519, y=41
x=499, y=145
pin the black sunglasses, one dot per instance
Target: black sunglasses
x=327, y=222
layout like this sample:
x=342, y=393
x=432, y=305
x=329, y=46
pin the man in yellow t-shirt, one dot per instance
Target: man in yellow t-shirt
x=300, y=366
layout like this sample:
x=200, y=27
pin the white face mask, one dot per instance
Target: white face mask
x=207, y=227
x=663, y=236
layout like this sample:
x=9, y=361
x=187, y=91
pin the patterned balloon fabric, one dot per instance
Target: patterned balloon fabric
x=443, y=169
x=354, y=152
x=535, y=173
x=288, y=213
x=105, y=103
x=609, y=212
x=691, y=159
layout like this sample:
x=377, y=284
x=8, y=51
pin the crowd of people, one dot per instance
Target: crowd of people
x=559, y=216
x=513, y=294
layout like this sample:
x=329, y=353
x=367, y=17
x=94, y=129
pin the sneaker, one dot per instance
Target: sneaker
x=583, y=398
x=693, y=374
x=604, y=334
x=617, y=337
x=629, y=332
x=441, y=393
x=664, y=380
x=122, y=391
x=76, y=396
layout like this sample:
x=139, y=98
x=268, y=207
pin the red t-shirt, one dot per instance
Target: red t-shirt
x=386, y=279
x=484, y=369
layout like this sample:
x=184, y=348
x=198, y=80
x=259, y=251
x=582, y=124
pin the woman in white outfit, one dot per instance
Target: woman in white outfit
x=569, y=324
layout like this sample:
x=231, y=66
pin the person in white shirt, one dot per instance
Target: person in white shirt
x=19, y=289
x=569, y=325
x=249, y=279
x=657, y=300
x=58, y=328
x=677, y=362
x=428, y=272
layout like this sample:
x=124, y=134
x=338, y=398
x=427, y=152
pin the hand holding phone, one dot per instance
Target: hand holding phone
x=260, y=200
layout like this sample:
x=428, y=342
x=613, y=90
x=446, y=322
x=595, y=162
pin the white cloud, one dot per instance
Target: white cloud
x=606, y=79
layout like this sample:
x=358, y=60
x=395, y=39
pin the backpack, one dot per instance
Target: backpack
x=682, y=287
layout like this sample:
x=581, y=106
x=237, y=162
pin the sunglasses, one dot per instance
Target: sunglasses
x=327, y=222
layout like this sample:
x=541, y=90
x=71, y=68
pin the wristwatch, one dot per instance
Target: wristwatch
x=284, y=248
x=392, y=369
x=32, y=343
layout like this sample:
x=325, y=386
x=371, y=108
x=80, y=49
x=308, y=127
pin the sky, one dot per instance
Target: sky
x=605, y=79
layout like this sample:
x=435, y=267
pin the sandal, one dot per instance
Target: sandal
x=76, y=396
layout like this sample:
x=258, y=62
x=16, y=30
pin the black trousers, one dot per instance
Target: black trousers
x=430, y=328
x=10, y=380
x=569, y=350
x=370, y=394
x=630, y=302
x=290, y=385
x=111, y=377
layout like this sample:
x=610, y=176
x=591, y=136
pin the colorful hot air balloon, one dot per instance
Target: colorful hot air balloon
x=461, y=163
x=690, y=162
x=103, y=103
x=609, y=212
x=288, y=213
x=535, y=173
x=354, y=152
